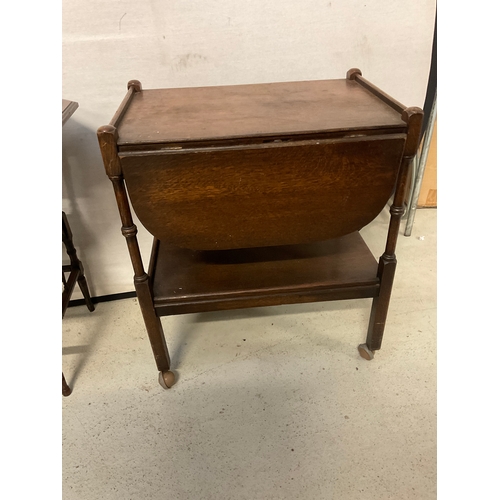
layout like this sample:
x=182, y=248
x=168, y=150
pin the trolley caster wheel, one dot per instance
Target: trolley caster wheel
x=166, y=379
x=364, y=352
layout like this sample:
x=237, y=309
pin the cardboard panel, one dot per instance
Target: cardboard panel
x=428, y=191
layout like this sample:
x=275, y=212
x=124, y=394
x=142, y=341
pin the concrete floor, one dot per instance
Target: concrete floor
x=270, y=403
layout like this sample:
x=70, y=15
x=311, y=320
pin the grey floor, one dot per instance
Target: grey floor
x=270, y=403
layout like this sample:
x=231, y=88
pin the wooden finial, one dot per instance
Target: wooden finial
x=106, y=129
x=135, y=84
x=408, y=113
x=413, y=116
x=351, y=74
x=107, y=135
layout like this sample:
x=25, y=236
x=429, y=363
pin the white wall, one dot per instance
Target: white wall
x=182, y=43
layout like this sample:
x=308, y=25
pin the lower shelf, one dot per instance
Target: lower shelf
x=186, y=281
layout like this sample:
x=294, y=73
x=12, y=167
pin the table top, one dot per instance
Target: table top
x=68, y=108
x=258, y=110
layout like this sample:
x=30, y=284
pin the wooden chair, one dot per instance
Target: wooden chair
x=255, y=195
x=76, y=275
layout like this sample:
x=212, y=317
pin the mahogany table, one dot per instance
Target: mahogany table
x=255, y=195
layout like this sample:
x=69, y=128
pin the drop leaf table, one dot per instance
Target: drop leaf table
x=255, y=195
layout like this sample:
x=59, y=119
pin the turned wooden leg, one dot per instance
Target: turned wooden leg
x=66, y=390
x=76, y=264
x=155, y=332
x=387, y=264
x=380, y=307
x=108, y=136
x=82, y=283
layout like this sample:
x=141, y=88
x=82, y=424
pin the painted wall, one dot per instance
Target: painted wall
x=182, y=43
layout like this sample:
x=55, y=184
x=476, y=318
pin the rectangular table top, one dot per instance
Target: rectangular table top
x=257, y=110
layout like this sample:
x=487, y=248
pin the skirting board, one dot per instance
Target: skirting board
x=103, y=298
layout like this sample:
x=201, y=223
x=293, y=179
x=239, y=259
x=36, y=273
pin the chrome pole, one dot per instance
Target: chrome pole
x=422, y=160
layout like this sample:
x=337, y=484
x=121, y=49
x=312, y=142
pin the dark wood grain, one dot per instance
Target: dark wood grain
x=122, y=109
x=107, y=135
x=356, y=75
x=380, y=305
x=201, y=114
x=107, y=140
x=387, y=264
x=75, y=270
x=273, y=194
x=255, y=195
x=76, y=275
x=188, y=280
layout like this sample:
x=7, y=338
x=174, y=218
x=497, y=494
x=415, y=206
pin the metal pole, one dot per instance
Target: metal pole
x=422, y=160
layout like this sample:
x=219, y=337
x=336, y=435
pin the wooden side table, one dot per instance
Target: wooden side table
x=75, y=268
x=255, y=195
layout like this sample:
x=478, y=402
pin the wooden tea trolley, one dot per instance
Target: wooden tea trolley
x=255, y=195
